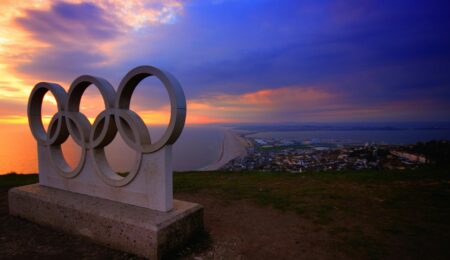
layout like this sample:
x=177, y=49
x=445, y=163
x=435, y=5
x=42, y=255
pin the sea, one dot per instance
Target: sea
x=394, y=137
x=372, y=133
x=199, y=146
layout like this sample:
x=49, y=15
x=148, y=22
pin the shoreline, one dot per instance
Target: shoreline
x=233, y=146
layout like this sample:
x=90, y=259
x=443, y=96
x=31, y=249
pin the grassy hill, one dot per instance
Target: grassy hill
x=365, y=214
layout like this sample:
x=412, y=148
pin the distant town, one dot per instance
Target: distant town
x=282, y=155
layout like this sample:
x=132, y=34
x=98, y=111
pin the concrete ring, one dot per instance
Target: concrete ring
x=107, y=174
x=103, y=130
x=34, y=110
x=132, y=129
x=60, y=164
x=77, y=123
x=177, y=102
x=57, y=132
x=135, y=133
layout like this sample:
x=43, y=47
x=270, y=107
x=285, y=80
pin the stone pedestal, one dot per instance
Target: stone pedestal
x=141, y=231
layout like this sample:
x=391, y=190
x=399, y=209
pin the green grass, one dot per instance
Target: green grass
x=13, y=179
x=320, y=194
x=363, y=211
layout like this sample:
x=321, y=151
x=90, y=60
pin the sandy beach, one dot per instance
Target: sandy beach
x=233, y=146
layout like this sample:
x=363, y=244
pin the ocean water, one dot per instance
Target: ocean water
x=198, y=146
x=398, y=136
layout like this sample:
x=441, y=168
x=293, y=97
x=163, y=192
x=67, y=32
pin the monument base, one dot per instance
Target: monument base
x=125, y=227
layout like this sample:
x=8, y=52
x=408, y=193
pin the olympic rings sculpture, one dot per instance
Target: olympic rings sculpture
x=117, y=117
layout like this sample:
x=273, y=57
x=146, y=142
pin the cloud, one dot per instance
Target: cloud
x=287, y=104
x=270, y=99
x=266, y=105
x=59, y=40
x=241, y=60
x=308, y=104
x=74, y=24
x=75, y=35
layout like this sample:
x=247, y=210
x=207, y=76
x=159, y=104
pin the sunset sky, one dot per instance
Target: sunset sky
x=238, y=60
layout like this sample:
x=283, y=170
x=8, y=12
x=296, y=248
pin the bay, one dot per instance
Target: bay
x=197, y=147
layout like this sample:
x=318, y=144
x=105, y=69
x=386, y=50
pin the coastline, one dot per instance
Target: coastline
x=233, y=146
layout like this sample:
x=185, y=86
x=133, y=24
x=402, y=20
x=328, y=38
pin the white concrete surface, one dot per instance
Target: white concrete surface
x=151, y=187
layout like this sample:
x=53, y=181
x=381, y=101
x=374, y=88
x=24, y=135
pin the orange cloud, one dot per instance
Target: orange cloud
x=19, y=46
x=287, y=104
x=301, y=104
x=260, y=105
x=269, y=99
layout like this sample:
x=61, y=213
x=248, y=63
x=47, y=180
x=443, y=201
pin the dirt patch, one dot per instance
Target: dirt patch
x=243, y=230
x=237, y=230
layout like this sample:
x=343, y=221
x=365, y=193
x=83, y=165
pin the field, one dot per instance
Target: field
x=328, y=215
